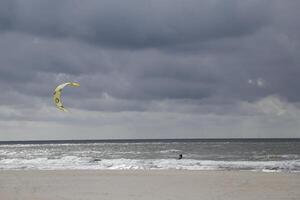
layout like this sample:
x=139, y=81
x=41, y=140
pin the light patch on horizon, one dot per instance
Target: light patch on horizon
x=269, y=114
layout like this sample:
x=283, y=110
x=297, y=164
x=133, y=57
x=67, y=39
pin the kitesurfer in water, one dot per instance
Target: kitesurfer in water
x=180, y=157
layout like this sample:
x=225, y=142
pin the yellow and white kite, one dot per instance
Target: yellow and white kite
x=57, y=94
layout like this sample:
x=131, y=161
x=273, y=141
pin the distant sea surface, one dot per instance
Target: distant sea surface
x=268, y=155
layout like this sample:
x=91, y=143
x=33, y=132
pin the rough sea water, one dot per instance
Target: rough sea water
x=251, y=155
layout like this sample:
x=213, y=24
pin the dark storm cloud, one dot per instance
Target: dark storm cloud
x=33, y=66
x=165, y=68
x=154, y=50
x=133, y=23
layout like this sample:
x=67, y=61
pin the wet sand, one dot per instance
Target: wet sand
x=148, y=185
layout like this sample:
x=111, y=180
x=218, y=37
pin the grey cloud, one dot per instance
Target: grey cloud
x=188, y=58
x=136, y=24
x=31, y=68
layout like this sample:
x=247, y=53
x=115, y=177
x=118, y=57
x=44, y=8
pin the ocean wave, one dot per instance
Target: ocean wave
x=74, y=162
x=169, y=151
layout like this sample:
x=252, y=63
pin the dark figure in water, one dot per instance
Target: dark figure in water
x=180, y=157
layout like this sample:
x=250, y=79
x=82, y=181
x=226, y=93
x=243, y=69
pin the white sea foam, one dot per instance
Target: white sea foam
x=74, y=162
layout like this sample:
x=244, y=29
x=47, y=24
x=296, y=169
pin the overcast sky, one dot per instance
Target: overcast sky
x=150, y=69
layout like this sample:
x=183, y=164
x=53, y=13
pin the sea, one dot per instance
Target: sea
x=266, y=155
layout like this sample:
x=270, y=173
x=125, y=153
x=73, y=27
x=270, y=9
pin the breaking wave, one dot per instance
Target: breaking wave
x=74, y=162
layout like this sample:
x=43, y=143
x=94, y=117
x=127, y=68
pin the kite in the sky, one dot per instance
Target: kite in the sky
x=57, y=94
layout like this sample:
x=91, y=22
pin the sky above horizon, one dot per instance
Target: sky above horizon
x=150, y=69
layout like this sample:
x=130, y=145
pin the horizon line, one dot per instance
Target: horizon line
x=134, y=140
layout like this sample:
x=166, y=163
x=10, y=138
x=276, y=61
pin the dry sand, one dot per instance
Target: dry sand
x=148, y=185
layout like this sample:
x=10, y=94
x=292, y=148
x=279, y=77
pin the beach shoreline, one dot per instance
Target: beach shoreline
x=147, y=184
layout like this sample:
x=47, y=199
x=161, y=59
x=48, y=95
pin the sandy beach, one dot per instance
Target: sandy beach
x=148, y=185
